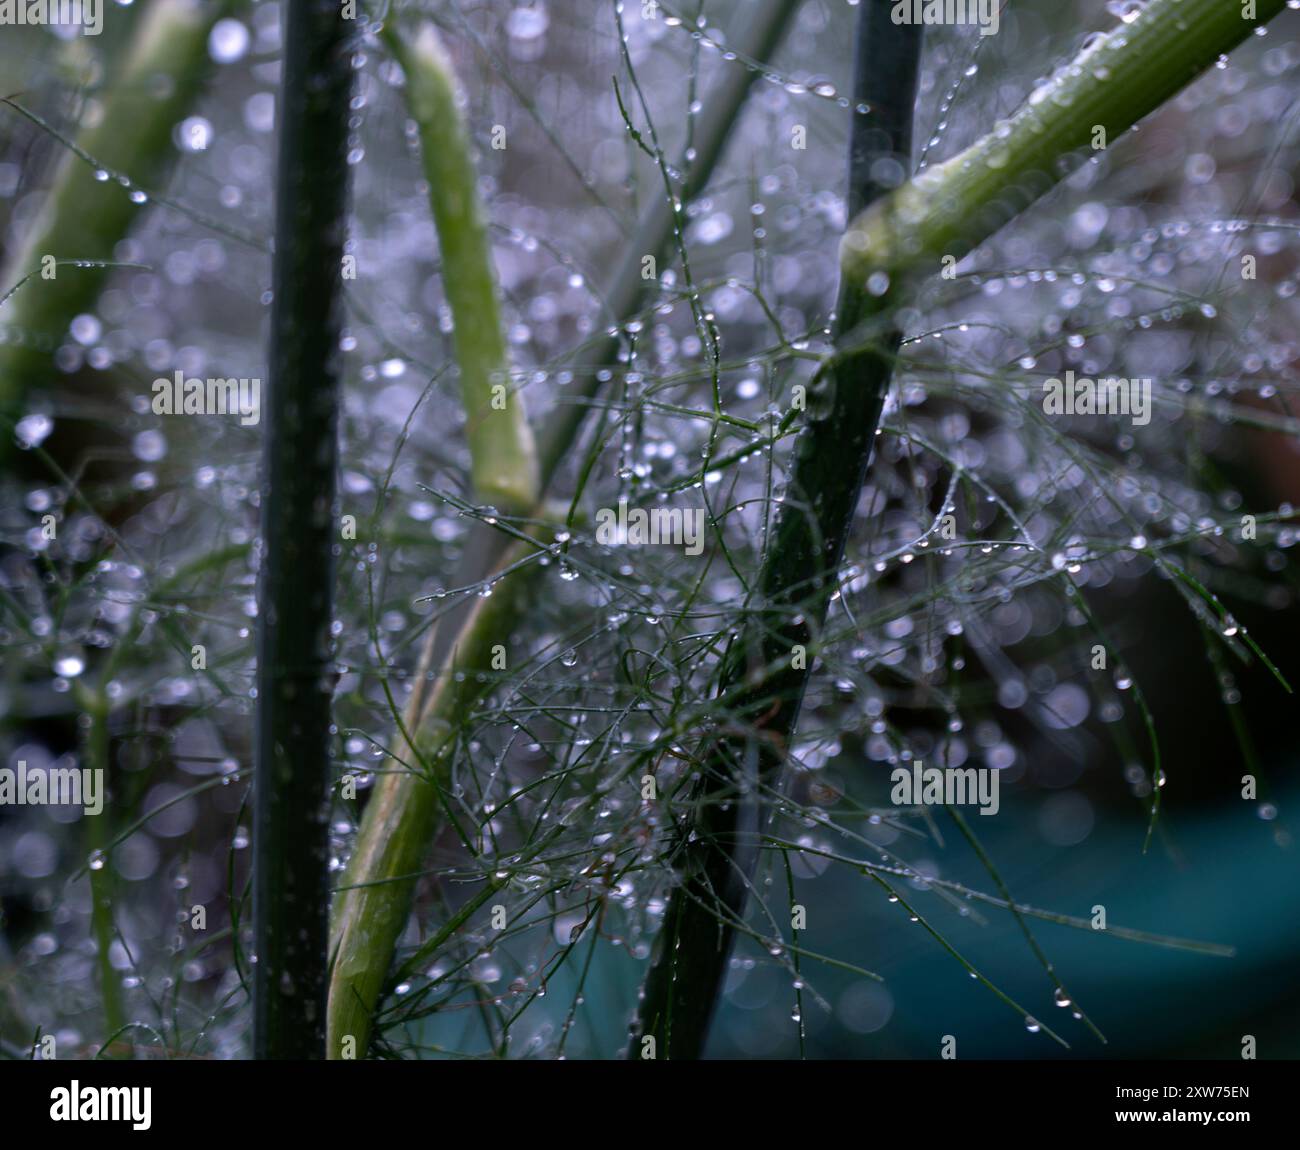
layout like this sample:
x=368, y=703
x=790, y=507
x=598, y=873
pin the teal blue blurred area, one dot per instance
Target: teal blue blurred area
x=1218, y=878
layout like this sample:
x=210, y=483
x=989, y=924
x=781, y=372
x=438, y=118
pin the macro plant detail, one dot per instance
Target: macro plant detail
x=648, y=531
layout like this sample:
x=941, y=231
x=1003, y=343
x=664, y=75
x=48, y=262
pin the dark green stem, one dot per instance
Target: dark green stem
x=292, y=788
x=764, y=678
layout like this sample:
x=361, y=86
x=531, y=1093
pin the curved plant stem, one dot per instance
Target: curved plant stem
x=400, y=820
x=944, y=211
x=372, y=904
x=84, y=218
x=1111, y=85
x=296, y=597
x=762, y=682
x=374, y=899
x=502, y=453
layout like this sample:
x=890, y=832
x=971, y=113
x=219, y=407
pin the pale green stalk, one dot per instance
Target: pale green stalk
x=1088, y=104
x=502, y=452
x=371, y=908
x=374, y=898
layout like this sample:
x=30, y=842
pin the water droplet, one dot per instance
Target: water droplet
x=228, y=41
x=527, y=23
x=69, y=666
x=33, y=430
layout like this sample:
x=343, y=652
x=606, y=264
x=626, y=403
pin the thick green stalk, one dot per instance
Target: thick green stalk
x=374, y=899
x=299, y=533
x=84, y=218
x=945, y=211
x=503, y=455
x=401, y=816
x=371, y=907
x=1111, y=85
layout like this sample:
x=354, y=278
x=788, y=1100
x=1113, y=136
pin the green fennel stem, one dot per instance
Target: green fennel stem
x=762, y=684
x=374, y=899
x=503, y=455
x=299, y=536
x=1111, y=85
